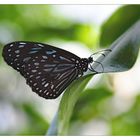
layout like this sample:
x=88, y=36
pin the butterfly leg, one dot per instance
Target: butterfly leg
x=93, y=70
x=99, y=52
x=80, y=73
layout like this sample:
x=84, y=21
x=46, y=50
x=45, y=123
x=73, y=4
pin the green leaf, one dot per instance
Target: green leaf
x=118, y=23
x=88, y=103
x=124, y=52
x=17, y=25
x=68, y=101
x=87, y=34
x=53, y=130
x=117, y=60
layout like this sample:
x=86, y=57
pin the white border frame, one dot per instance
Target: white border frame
x=107, y=2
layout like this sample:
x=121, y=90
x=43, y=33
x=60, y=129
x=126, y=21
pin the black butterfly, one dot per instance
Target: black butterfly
x=48, y=70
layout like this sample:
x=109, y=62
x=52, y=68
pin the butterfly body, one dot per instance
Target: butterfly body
x=48, y=70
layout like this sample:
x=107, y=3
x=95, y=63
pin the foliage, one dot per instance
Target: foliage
x=118, y=23
x=128, y=122
x=79, y=104
x=127, y=44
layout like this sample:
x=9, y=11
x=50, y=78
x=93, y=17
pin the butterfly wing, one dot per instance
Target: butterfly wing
x=16, y=54
x=47, y=69
x=49, y=80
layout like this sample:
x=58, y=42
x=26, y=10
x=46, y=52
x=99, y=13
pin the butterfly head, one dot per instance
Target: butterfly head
x=85, y=62
x=90, y=60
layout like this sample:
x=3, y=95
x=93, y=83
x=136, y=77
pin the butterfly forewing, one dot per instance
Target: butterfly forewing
x=16, y=54
x=47, y=69
x=50, y=85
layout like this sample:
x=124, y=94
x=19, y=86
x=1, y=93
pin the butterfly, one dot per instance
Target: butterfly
x=48, y=70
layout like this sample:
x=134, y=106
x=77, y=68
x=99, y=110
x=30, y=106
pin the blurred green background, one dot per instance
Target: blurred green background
x=110, y=105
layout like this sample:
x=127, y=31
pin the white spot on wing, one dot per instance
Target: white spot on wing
x=40, y=45
x=47, y=70
x=52, y=86
x=43, y=79
x=77, y=61
x=22, y=43
x=43, y=82
x=17, y=51
x=36, y=63
x=46, y=85
x=34, y=70
x=37, y=77
x=42, y=60
x=21, y=46
x=63, y=58
x=47, y=93
x=31, y=76
x=73, y=59
x=54, y=55
x=26, y=59
x=49, y=65
x=34, y=84
x=11, y=45
x=45, y=57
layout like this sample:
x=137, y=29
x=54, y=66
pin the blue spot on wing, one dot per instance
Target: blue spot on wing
x=26, y=59
x=35, y=49
x=31, y=52
x=50, y=52
x=63, y=58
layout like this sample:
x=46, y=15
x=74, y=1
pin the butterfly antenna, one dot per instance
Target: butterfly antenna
x=100, y=52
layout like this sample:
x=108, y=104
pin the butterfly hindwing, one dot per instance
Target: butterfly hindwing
x=50, y=85
x=49, y=79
